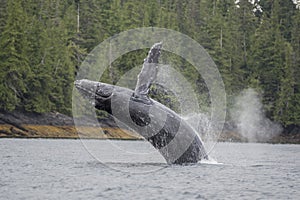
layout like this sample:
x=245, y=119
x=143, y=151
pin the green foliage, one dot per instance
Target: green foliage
x=43, y=42
x=272, y=64
x=3, y=14
x=14, y=65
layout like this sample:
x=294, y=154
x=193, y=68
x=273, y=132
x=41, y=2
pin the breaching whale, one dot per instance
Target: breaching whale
x=175, y=139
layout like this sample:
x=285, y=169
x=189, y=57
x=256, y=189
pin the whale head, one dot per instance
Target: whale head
x=92, y=89
x=99, y=94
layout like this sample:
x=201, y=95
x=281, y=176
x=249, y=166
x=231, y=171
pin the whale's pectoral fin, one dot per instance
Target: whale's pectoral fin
x=147, y=75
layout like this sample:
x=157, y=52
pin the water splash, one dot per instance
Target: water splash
x=249, y=116
x=201, y=124
x=210, y=161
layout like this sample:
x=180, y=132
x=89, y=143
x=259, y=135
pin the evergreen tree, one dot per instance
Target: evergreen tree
x=283, y=104
x=294, y=107
x=52, y=64
x=14, y=65
x=269, y=59
x=3, y=14
x=43, y=43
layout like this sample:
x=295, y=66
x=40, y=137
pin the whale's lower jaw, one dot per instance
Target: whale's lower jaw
x=177, y=142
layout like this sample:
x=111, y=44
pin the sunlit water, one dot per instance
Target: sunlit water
x=64, y=169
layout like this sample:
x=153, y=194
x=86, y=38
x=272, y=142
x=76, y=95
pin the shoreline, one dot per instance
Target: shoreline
x=137, y=139
x=24, y=125
x=69, y=138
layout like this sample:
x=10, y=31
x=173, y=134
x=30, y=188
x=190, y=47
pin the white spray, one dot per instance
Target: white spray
x=200, y=122
x=250, y=118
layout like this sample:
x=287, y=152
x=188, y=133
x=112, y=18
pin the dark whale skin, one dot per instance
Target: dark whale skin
x=176, y=140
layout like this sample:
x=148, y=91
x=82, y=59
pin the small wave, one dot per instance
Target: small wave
x=129, y=167
x=257, y=165
x=136, y=164
x=210, y=161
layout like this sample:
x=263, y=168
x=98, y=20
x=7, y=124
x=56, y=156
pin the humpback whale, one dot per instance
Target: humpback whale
x=175, y=139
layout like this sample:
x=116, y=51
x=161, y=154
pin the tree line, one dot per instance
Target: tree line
x=254, y=44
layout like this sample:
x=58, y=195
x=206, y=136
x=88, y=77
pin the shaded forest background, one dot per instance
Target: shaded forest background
x=43, y=42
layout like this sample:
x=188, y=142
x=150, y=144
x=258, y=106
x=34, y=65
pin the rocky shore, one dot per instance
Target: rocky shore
x=56, y=125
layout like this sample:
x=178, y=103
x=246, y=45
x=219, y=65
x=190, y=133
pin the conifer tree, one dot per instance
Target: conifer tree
x=14, y=65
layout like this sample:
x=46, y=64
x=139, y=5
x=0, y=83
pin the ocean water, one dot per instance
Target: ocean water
x=99, y=169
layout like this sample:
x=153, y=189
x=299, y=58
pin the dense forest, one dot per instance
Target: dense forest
x=254, y=44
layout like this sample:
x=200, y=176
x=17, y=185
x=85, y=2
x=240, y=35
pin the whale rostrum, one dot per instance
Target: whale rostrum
x=174, y=138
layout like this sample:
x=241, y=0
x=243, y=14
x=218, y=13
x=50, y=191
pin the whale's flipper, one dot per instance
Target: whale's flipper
x=147, y=74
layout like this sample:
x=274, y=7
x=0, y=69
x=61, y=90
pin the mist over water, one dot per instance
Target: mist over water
x=249, y=117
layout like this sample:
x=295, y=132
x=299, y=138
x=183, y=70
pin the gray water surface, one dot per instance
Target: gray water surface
x=98, y=169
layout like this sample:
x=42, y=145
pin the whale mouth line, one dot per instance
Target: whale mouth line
x=93, y=93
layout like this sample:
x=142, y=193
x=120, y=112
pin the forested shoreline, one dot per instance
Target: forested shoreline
x=43, y=43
